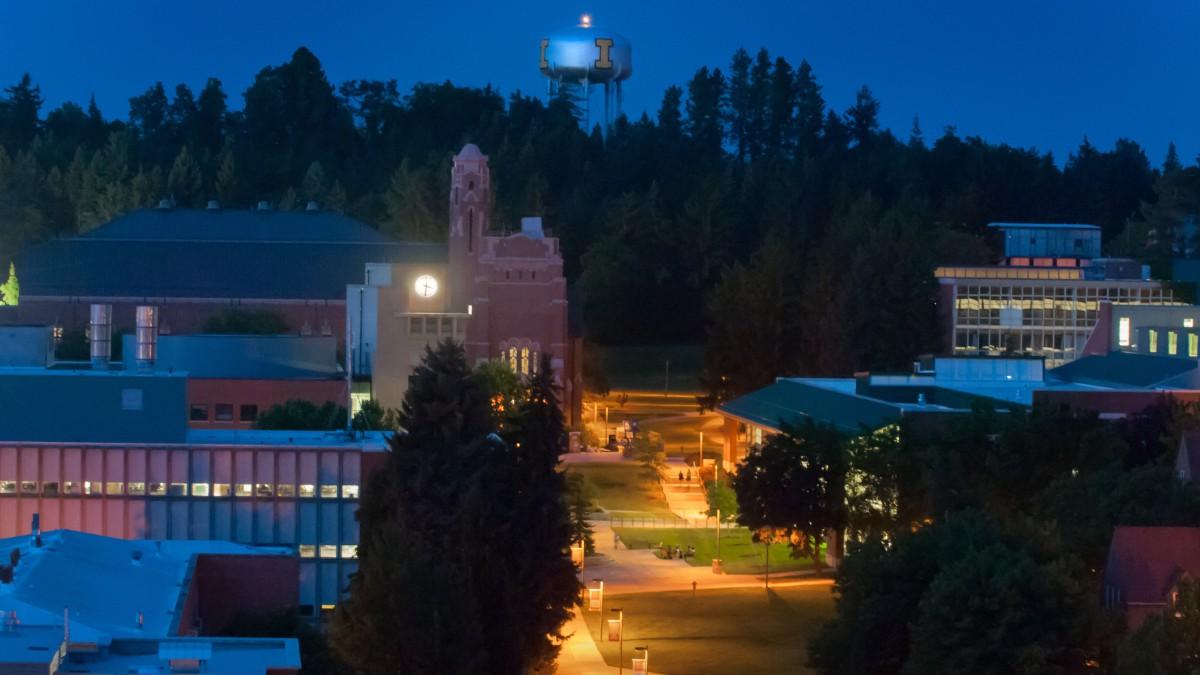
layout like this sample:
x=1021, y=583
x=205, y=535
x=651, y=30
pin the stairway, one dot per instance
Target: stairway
x=685, y=498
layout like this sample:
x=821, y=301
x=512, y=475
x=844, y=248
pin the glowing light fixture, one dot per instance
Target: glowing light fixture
x=426, y=286
x=585, y=20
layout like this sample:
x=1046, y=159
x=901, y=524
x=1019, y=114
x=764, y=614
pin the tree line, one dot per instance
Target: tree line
x=674, y=225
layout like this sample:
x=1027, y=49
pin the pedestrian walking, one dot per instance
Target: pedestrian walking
x=681, y=476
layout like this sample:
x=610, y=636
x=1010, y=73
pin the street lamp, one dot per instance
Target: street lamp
x=577, y=554
x=641, y=666
x=617, y=626
x=596, y=596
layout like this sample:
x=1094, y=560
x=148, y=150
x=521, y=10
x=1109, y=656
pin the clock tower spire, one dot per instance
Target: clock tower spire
x=470, y=202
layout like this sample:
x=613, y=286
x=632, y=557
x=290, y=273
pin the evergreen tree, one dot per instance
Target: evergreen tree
x=412, y=215
x=781, y=109
x=21, y=113
x=10, y=290
x=210, y=118
x=863, y=117
x=185, y=183
x=810, y=110
x=670, y=115
x=705, y=93
x=315, y=183
x=740, y=103
x=229, y=186
x=1171, y=161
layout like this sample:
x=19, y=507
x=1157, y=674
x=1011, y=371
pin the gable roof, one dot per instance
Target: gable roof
x=1126, y=369
x=1145, y=562
x=790, y=401
x=180, y=253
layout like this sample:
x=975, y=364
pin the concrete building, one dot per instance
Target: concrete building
x=1163, y=330
x=503, y=295
x=83, y=603
x=1044, y=298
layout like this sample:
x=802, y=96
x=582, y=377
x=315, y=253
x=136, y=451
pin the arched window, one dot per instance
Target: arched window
x=524, y=361
x=512, y=358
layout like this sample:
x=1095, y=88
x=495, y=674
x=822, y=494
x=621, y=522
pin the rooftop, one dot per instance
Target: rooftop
x=1042, y=226
x=1126, y=370
x=250, y=357
x=175, y=253
x=1145, y=562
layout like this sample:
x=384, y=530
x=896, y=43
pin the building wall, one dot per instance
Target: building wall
x=180, y=316
x=1111, y=403
x=225, y=586
x=254, y=396
x=286, y=496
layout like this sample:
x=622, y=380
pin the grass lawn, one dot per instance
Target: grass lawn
x=644, y=366
x=739, y=553
x=742, y=630
x=629, y=490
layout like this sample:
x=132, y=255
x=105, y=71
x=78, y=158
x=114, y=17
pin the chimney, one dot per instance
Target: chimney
x=147, y=337
x=101, y=336
x=312, y=207
x=36, y=529
x=213, y=205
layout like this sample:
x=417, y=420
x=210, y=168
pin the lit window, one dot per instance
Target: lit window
x=199, y=489
x=198, y=413
x=242, y=490
x=1153, y=341
x=349, y=551
x=224, y=412
x=533, y=363
x=28, y=487
x=70, y=487
x=1189, y=323
x=286, y=490
x=524, y=360
x=137, y=488
x=8, y=487
x=177, y=490
x=308, y=491
x=57, y=332
x=328, y=551
x=264, y=490
x=50, y=489
x=249, y=413
x=349, y=492
x=1172, y=343
x=308, y=551
x=329, y=492
x=220, y=489
x=90, y=488
x=114, y=488
x=328, y=608
x=1193, y=345
x=512, y=358
x=158, y=489
x=1123, y=331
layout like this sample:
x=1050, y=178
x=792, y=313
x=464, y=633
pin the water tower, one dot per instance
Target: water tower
x=576, y=58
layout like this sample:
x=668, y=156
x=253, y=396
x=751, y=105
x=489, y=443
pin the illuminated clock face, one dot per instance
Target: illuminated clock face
x=426, y=286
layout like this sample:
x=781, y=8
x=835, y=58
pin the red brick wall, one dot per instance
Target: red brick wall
x=224, y=586
x=1111, y=402
x=263, y=393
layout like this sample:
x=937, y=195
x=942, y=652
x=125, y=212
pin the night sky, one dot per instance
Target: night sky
x=1041, y=73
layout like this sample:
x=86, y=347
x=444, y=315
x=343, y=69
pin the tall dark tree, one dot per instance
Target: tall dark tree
x=862, y=118
x=20, y=112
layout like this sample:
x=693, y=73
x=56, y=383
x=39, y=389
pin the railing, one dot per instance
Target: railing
x=662, y=522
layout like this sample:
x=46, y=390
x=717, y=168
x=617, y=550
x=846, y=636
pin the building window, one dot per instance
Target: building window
x=220, y=489
x=199, y=413
x=1189, y=323
x=243, y=490
x=158, y=489
x=1193, y=345
x=114, y=488
x=177, y=490
x=264, y=490
x=28, y=487
x=286, y=490
x=328, y=551
x=1172, y=343
x=308, y=551
x=1153, y=341
x=224, y=412
x=308, y=491
x=524, y=360
x=137, y=488
x=50, y=489
x=512, y=358
x=349, y=492
x=1123, y=331
x=414, y=325
x=447, y=325
x=8, y=487
x=70, y=487
x=349, y=550
x=90, y=488
x=249, y=413
x=57, y=332
x=199, y=489
x=329, y=492
x=431, y=324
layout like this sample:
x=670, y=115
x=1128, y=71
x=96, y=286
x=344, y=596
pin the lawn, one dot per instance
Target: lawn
x=743, y=630
x=740, y=555
x=645, y=366
x=625, y=489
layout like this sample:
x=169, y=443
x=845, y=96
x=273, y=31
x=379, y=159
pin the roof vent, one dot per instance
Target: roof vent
x=213, y=205
x=312, y=206
x=164, y=205
x=264, y=205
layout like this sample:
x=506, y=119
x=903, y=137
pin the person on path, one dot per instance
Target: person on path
x=681, y=476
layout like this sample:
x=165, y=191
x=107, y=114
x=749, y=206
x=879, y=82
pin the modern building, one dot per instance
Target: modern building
x=195, y=263
x=1163, y=330
x=82, y=603
x=1044, y=298
x=127, y=465
x=503, y=295
x=1145, y=566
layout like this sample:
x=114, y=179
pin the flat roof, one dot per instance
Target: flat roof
x=363, y=440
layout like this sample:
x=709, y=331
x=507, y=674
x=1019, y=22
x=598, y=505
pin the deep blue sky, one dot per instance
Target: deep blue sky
x=1039, y=73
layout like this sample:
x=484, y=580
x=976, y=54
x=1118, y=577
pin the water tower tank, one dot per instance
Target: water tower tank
x=584, y=55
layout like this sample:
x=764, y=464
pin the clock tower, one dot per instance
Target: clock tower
x=470, y=202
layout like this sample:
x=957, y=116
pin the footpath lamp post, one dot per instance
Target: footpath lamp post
x=641, y=666
x=596, y=596
x=616, y=627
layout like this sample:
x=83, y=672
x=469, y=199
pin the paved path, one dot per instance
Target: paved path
x=579, y=654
